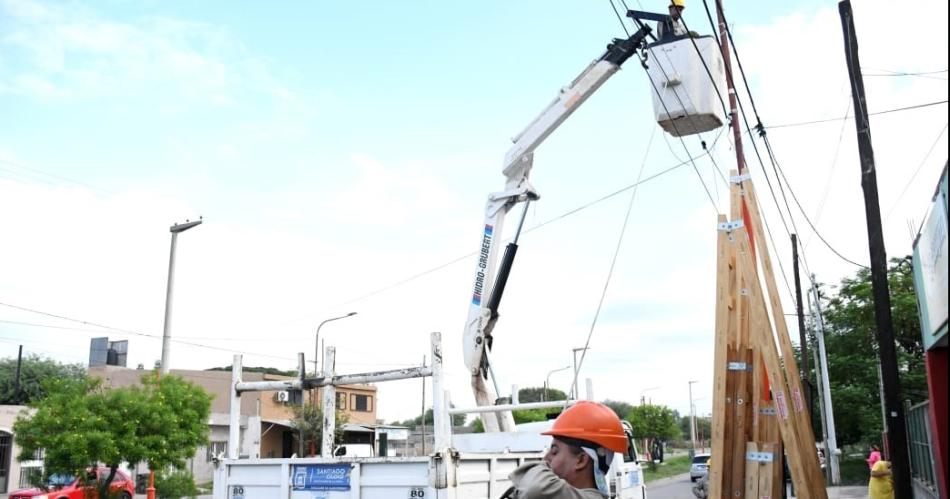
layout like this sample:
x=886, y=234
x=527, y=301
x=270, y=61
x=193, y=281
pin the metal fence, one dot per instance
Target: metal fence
x=921, y=453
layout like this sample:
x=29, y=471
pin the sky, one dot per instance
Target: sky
x=340, y=155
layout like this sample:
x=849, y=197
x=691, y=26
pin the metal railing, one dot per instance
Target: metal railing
x=919, y=443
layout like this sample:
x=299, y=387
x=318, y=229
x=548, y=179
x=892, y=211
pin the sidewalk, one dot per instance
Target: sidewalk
x=850, y=492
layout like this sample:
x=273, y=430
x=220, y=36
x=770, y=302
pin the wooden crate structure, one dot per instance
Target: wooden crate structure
x=759, y=411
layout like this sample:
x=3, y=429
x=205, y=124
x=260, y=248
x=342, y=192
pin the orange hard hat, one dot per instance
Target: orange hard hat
x=591, y=422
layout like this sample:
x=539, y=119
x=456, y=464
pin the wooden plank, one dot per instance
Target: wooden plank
x=764, y=341
x=766, y=472
x=799, y=407
x=742, y=423
x=778, y=471
x=725, y=274
x=751, y=473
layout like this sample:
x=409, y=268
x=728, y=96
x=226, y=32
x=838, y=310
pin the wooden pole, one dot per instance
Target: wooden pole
x=897, y=430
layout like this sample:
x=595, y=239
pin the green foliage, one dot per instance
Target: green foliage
x=619, y=407
x=175, y=484
x=653, y=421
x=263, y=370
x=79, y=424
x=33, y=370
x=671, y=467
x=457, y=420
x=308, y=421
x=537, y=394
x=852, y=347
x=703, y=428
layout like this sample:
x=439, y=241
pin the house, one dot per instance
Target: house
x=13, y=474
x=266, y=430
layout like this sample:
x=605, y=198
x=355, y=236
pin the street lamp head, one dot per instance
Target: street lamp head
x=174, y=229
x=351, y=313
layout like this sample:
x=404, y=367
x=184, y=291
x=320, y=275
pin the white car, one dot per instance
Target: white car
x=699, y=468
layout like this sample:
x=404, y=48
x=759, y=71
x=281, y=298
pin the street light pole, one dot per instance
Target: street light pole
x=316, y=342
x=167, y=332
x=547, y=382
x=692, y=416
x=643, y=399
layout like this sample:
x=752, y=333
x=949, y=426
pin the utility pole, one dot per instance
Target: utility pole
x=167, y=332
x=802, y=335
x=16, y=386
x=424, y=409
x=829, y=425
x=692, y=416
x=731, y=86
x=897, y=431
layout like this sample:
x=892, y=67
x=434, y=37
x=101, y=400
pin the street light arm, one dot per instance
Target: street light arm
x=316, y=342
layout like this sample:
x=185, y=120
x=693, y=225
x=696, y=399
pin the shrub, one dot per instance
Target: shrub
x=175, y=485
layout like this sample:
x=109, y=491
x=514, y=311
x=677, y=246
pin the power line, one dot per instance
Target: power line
x=778, y=170
x=914, y=176
x=886, y=72
x=557, y=218
x=886, y=111
x=137, y=333
x=834, y=165
x=54, y=176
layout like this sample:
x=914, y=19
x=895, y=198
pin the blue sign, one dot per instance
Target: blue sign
x=321, y=477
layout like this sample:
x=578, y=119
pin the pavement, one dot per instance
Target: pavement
x=680, y=487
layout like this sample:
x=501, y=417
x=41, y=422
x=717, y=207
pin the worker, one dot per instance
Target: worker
x=585, y=438
x=673, y=26
x=701, y=487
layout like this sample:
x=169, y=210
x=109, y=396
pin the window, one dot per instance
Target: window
x=361, y=403
x=340, y=400
x=214, y=449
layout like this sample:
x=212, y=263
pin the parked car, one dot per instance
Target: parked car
x=63, y=486
x=355, y=450
x=699, y=468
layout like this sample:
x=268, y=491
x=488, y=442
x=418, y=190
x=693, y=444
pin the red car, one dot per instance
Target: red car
x=61, y=486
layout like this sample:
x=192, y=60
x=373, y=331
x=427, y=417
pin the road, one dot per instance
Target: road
x=676, y=487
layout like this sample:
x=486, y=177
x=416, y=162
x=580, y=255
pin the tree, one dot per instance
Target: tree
x=308, y=421
x=33, y=370
x=622, y=409
x=80, y=424
x=653, y=421
x=457, y=420
x=852, y=348
x=536, y=394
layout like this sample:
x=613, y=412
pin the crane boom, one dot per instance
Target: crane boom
x=489, y=285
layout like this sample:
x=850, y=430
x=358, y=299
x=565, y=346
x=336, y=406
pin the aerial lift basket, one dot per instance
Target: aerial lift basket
x=687, y=101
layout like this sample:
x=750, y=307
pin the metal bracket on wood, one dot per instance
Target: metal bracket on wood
x=739, y=366
x=767, y=411
x=728, y=226
x=738, y=179
x=762, y=457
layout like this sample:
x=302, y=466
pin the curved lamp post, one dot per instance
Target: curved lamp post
x=547, y=382
x=316, y=343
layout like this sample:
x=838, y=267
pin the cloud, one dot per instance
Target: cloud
x=67, y=51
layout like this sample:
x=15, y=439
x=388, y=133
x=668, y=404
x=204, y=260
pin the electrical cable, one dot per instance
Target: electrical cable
x=557, y=218
x=666, y=76
x=58, y=177
x=691, y=160
x=137, y=333
x=725, y=109
x=619, y=17
x=810, y=224
x=914, y=176
x=831, y=171
x=613, y=263
x=775, y=165
x=886, y=111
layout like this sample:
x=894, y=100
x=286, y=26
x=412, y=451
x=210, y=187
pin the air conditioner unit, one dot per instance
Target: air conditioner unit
x=283, y=396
